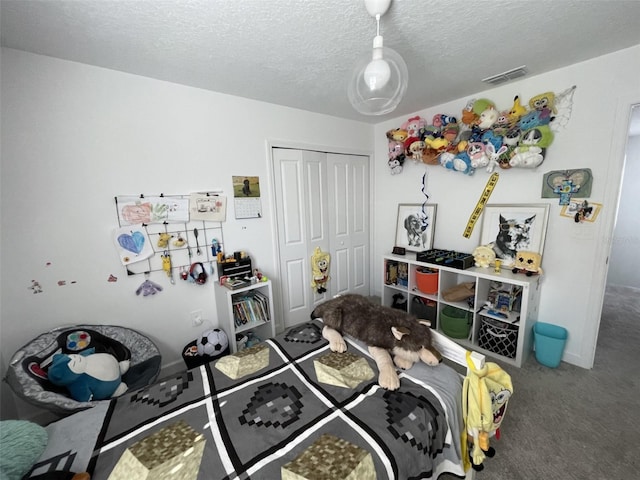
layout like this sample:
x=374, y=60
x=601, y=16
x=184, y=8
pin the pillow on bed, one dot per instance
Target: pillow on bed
x=21, y=444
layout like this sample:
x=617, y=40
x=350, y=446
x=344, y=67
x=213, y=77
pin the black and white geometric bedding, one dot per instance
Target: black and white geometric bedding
x=255, y=425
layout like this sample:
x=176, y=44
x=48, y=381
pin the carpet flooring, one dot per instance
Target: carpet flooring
x=570, y=423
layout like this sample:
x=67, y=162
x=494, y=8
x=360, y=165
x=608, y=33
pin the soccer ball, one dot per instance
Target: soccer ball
x=212, y=342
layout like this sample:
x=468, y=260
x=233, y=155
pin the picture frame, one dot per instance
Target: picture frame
x=573, y=209
x=510, y=228
x=415, y=226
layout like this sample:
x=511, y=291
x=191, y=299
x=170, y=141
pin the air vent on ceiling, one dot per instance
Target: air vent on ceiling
x=506, y=76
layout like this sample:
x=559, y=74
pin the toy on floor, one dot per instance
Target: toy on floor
x=385, y=330
x=88, y=375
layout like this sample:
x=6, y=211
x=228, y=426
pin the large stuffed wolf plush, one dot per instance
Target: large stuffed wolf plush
x=386, y=331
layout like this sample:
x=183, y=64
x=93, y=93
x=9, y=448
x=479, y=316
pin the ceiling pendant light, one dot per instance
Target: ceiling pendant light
x=380, y=79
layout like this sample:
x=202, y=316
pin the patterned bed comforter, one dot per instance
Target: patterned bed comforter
x=287, y=408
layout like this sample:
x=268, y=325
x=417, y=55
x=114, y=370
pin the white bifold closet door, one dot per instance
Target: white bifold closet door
x=322, y=200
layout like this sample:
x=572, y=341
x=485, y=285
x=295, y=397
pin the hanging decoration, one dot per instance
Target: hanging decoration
x=485, y=136
x=484, y=198
x=568, y=184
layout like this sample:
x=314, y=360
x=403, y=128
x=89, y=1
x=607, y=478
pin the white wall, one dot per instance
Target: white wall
x=73, y=137
x=575, y=255
x=624, y=262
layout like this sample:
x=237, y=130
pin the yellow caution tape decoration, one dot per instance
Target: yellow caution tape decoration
x=488, y=190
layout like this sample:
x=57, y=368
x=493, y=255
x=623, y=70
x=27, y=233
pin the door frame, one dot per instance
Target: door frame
x=613, y=190
x=275, y=143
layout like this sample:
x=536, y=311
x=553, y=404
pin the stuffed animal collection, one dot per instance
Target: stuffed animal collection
x=485, y=137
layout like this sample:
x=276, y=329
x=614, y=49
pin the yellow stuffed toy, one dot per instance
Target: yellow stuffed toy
x=485, y=395
x=320, y=270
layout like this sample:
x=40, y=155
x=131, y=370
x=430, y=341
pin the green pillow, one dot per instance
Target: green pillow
x=21, y=444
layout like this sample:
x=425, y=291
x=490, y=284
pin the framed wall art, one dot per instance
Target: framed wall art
x=510, y=228
x=415, y=226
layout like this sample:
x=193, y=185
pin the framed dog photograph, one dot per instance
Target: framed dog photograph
x=415, y=226
x=510, y=228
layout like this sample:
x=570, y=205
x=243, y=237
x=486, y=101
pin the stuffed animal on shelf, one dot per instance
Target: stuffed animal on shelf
x=484, y=256
x=88, y=375
x=527, y=263
x=385, y=330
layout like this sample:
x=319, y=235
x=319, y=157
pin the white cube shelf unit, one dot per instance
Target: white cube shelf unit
x=509, y=339
x=246, y=309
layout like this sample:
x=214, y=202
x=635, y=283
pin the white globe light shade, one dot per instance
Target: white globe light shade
x=378, y=82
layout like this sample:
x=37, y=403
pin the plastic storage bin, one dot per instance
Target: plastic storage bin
x=549, y=341
x=427, y=280
x=455, y=322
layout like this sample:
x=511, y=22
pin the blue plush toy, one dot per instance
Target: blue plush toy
x=89, y=376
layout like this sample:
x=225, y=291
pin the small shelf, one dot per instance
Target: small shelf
x=246, y=309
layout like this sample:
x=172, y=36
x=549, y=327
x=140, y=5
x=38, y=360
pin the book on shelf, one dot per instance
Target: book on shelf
x=252, y=307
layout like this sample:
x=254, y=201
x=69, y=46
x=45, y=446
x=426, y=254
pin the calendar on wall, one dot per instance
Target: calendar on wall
x=246, y=194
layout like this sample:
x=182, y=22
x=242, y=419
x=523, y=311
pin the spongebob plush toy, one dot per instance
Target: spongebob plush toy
x=527, y=263
x=485, y=396
x=320, y=270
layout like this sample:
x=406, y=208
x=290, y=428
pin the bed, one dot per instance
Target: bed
x=280, y=409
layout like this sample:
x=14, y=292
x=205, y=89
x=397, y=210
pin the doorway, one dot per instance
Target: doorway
x=321, y=201
x=628, y=121
x=624, y=264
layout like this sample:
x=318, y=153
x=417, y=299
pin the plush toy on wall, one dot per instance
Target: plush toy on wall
x=385, y=330
x=89, y=376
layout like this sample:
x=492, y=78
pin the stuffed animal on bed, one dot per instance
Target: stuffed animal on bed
x=89, y=376
x=385, y=330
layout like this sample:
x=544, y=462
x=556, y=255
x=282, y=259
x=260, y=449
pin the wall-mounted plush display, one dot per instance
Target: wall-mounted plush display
x=485, y=136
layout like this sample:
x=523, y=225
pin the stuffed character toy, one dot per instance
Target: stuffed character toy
x=487, y=118
x=430, y=156
x=385, y=330
x=485, y=395
x=543, y=101
x=89, y=376
x=462, y=163
x=320, y=270
x=477, y=154
x=413, y=126
x=517, y=110
x=396, y=156
x=468, y=116
x=527, y=157
x=481, y=105
x=484, y=256
x=528, y=263
x=397, y=134
x=494, y=156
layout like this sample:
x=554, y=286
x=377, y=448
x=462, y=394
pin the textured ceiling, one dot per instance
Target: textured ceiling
x=299, y=53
